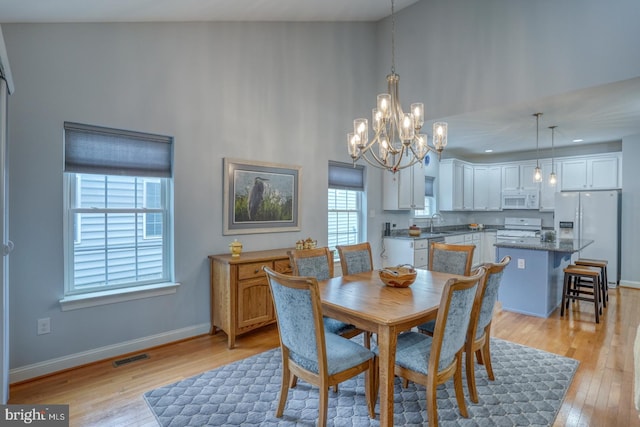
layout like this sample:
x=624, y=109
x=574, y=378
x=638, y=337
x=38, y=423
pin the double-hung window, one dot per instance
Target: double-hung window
x=429, y=199
x=118, y=211
x=346, y=194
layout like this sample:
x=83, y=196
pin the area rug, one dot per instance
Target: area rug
x=529, y=388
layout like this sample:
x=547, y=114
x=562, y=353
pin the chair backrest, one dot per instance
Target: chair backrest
x=454, y=259
x=356, y=258
x=299, y=316
x=486, y=297
x=452, y=321
x=316, y=263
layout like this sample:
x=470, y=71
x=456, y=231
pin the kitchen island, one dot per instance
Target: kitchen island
x=532, y=282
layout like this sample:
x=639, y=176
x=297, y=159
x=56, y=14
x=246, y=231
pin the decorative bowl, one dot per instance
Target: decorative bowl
x=400, y=276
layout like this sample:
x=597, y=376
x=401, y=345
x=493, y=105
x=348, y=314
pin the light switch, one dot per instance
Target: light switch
x=521, y=263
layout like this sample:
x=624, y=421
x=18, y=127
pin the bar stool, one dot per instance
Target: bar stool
x=574, y=290
x=604, y=279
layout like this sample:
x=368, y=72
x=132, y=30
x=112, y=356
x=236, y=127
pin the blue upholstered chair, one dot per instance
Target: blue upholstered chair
x=308, y=352
x=454, y=259
x=479, y=333
x=318, y=263
x=433, y=360
x=355, y=259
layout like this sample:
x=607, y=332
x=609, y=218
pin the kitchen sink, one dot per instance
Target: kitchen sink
x=435, y=233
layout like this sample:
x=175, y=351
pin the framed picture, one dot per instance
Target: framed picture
x=260, y=197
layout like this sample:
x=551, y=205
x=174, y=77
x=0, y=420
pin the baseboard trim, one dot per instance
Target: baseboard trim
x=629, y=284
x=47, y=367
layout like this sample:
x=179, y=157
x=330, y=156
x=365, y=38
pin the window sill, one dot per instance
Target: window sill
x=93, y=299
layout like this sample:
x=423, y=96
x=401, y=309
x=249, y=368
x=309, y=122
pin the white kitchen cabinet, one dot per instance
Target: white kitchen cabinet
x=488, y=250
x=487, y=187
x=519, y=176
x=403, y=190
x=456, y=185
x=406, y=251
x=475, y=239
x=548, y=191
x=592, y=173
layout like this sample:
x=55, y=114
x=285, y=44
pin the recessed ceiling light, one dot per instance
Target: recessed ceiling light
x=578, y=140
x=488, y=151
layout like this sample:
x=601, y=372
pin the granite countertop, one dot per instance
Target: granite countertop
x=560, y=245
x=439, y=233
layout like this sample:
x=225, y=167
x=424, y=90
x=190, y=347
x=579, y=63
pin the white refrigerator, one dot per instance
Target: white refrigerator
x=592, y=215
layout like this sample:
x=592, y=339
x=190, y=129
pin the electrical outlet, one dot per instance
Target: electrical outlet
x=44, y=326
x=521, y=263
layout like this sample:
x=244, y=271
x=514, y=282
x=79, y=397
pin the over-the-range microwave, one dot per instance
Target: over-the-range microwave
x=520, y=199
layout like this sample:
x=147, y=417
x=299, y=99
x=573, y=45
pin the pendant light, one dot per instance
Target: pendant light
x=537, y=173
x=552, y=176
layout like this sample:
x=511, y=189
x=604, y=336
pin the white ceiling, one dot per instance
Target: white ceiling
x=20, y=11
x=601, y=114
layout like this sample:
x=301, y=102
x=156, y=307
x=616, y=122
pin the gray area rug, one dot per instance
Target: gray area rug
x=529, y=388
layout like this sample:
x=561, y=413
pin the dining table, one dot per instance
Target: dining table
x=365, y=301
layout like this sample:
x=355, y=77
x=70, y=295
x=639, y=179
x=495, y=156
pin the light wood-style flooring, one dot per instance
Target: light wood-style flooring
x=601, y=393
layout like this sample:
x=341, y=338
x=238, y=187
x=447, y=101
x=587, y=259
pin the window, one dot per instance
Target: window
x=118, y=210
x=429, y=199
x=345, y=216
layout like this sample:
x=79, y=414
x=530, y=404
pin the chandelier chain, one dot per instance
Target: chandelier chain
x=393, y=39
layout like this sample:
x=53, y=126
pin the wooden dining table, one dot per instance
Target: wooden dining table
x=365, y=301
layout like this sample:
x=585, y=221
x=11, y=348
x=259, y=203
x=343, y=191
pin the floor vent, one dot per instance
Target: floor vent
x=131, y=359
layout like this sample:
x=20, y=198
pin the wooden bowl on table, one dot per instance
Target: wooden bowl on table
x=400, y=276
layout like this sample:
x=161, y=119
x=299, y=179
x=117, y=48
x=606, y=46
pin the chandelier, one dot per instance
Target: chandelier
x=397, y=142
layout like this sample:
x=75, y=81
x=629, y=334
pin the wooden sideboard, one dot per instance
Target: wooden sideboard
x=240, y=295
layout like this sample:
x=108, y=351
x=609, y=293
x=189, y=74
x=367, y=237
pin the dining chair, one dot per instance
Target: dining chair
x=309, y=352
x=355, y=259
x=478, y=341
x=433, y=360
x=318, y=263
x=454, y=259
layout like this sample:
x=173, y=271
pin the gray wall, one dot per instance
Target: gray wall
x=282, y=93
x=277, y=92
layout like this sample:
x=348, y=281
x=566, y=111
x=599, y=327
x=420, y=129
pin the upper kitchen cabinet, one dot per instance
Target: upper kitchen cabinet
x=403, y=190
x=456, y=185
x=519, y=176
x=591, y=173
x=487, y=182
x=547, y=190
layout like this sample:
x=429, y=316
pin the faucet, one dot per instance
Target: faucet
x=434, y=216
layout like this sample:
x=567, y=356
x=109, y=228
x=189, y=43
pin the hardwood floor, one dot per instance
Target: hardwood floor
x=601, y=393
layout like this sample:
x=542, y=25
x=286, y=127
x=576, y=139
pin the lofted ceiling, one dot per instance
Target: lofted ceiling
x=20, y=11
x=596, y=115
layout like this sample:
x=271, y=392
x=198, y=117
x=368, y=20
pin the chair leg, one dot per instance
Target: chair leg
x=369, y=392
x=457, y=382
x=432, y=407
x=293, y=382
x=324, y=406
x=284, y=387
x=471, y=376
x=486, y=356
x=565, y=290
x=596, y=298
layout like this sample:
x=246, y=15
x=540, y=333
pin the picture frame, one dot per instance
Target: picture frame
x=260, y=197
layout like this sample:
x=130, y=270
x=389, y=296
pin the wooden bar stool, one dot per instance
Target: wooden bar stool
x=604, y=279
x=574, y=290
